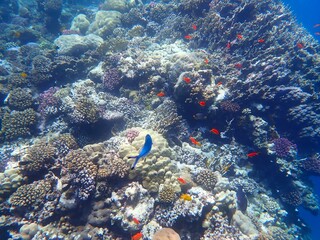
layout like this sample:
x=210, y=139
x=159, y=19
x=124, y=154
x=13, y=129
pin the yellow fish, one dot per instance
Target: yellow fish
x=23, y=75
x=186, y=197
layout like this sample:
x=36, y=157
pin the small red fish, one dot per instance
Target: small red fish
x=187, y=79
x=194, y=141
x=206, y=61
x=202, y=103
x=317, y=33
x=239, y=36
x=135, y=220
x=137, y=236
x=188, y=37
x=238, y=65
x=218, y=84
x=260, y=40
x=300, y=45
x=181, y=180
x=161, y=94
x=252, y=154
x=215, y=131
x=194, y=27
x=228, y=45
x=316, y=25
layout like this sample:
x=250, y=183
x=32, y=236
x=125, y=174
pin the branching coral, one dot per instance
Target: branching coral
x=20, y=99
x=207, y=179
x=38, y=158
x=18, y=124
x=30, y=195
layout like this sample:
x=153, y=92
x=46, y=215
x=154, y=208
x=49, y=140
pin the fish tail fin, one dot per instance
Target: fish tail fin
x=135, y=162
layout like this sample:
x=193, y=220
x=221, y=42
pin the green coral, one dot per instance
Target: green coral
x=39, y=157
x=18, y=123
x=20, y=99
x=29, y=195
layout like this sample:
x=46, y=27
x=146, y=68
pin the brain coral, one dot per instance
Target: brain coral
x=20, y=99
x=158, y=167
x=166, y=234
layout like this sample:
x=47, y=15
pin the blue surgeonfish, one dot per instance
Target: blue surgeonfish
x=144, y=150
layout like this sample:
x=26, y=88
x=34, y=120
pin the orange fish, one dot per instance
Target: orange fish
x=161, y=94
x=228, y=45
x=239, y=36
x=252, y=154
x=136, y=221
x=194, y=141
x=194, y=27
x=187, y=79
x=300, y=45
x=181, y=180
x=188, y=37
x=317, y=33
x=215, y=131
x=260, y=40
x=206, y=61
x=202, y=103
x=137, y=236
x=316, y=25
x=23, y=75
x=238, y=65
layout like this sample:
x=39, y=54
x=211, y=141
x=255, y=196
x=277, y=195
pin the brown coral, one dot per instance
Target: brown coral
x=167, y=194
x=20, y=99
x=38, y=157
x=77, y=160
x=31, y=194
x=166, y=234
x=207, y=179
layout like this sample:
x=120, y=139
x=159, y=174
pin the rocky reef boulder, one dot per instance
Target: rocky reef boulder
x=75, y=44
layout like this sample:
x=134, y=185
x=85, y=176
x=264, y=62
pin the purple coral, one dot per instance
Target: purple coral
x=48, y=103
x=312, y=165
x=282, y=147
x=131, y=134
x=111, y=79
x=229, y=106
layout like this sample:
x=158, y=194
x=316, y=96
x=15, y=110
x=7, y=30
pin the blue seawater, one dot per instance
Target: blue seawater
x=307, y=13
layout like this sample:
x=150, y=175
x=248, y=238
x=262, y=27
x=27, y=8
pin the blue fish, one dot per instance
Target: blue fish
x=144, y=151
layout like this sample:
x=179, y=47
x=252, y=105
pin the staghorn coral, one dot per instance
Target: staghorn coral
x=20, y=99
x=30, y=195
x=207, y=179
x=167, y=194
x=18, y=123
x=38, y=158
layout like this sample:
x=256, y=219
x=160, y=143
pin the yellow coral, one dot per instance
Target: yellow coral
x=186, y=197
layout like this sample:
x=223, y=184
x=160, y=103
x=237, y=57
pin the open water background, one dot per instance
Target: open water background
x=307, y=13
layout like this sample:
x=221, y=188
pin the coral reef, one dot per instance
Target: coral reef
x=20, y=99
